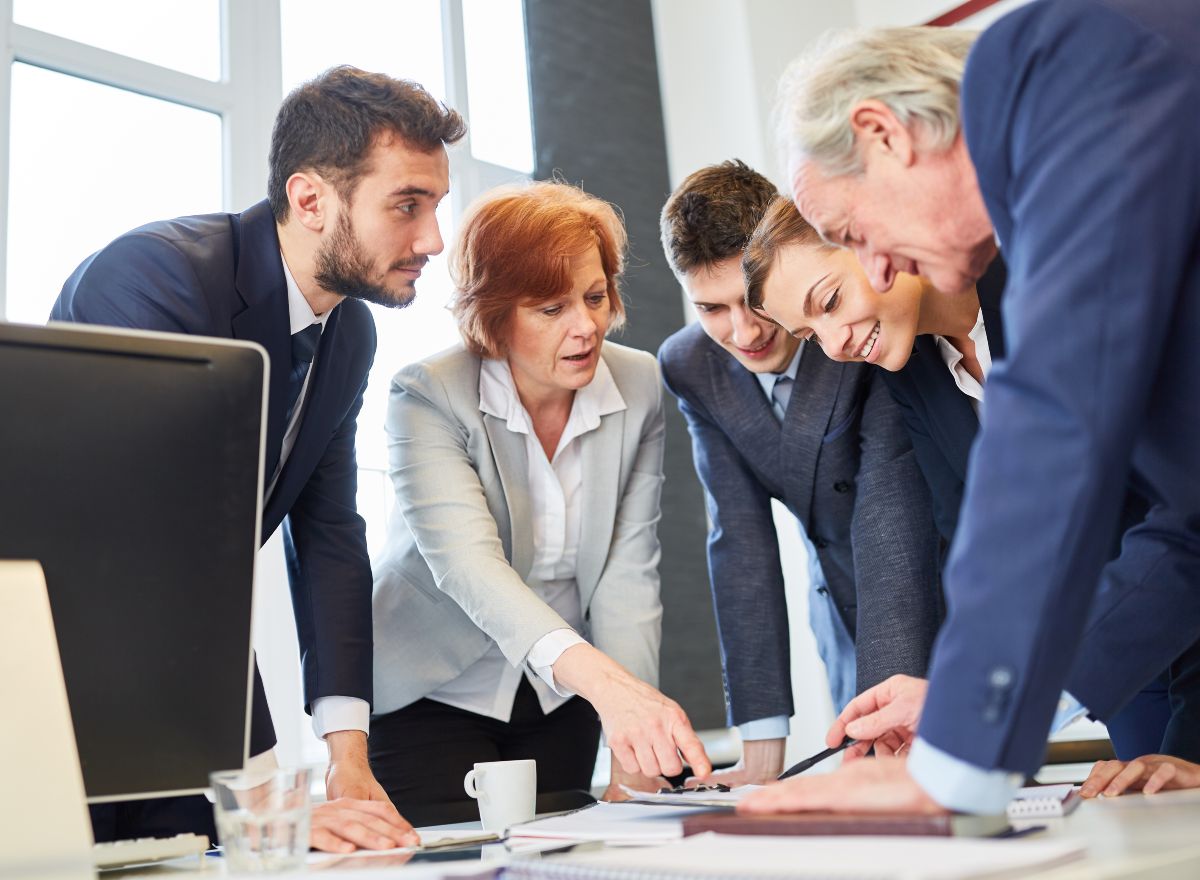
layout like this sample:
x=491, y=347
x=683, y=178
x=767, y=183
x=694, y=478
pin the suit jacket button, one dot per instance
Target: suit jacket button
x=842, y=486
x=820, y=543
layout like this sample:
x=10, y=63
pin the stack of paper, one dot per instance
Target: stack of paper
x=723, y=857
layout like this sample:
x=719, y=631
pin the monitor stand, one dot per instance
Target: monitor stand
x=45, y=831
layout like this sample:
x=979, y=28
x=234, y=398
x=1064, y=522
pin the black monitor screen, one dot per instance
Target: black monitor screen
x=130, y=468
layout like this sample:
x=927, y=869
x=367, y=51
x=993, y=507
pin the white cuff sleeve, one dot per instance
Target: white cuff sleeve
x=775, y=727
x=960, y=786
x=547, y=650
x=331, y=714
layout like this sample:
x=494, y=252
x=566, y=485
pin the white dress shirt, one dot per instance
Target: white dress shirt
x=967, y=383
x=330, y=713
x=489, y=686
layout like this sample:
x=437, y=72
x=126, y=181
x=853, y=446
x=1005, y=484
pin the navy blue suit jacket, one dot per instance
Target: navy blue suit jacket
x=843, y=465
x=221, y=275
x=1080, y=119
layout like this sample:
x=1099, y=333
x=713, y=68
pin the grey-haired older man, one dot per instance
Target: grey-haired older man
x=1076, y=148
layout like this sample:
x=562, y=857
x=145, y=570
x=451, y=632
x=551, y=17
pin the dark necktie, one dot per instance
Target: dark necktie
x=304, y=348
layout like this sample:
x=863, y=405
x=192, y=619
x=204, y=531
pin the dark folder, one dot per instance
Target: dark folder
x=846, y=823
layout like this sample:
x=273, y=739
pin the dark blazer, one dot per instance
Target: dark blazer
x=939, y=417
x=221, y=275
x=1085, y=151
x=943, y=426
x=842, y=464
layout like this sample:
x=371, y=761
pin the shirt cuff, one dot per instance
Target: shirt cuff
x=960, y=786
x=775, y=727
x=1069, y=711
x=547, y=650
x=331, y=714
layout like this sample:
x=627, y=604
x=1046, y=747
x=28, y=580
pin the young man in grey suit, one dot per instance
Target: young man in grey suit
x=771, y=418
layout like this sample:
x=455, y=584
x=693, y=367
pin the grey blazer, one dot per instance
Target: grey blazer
x=843, y=465
x=454, y=575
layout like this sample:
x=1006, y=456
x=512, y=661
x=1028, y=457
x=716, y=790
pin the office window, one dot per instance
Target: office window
x=403, y=40
x=78, y=179
x=182, y=35
x=498, y=83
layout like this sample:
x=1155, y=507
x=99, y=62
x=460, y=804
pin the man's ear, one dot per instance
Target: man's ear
x=311, y=200
x=877, y=129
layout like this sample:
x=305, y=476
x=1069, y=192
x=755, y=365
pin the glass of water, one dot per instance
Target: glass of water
x=262, y=818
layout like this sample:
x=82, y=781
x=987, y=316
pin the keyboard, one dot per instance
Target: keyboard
x=147, y=849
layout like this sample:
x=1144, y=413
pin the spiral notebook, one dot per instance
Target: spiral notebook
x=1044, y=802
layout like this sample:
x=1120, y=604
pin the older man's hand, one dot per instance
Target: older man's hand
x=879, y=785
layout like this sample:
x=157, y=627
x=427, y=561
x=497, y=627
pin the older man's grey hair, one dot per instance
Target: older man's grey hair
x=915, y=71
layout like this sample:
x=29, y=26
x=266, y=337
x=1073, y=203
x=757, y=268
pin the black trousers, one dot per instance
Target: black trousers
x=421, y=753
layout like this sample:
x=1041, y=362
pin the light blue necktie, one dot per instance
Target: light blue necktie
x=781, y=393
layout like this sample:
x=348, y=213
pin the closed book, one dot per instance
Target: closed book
x=891, y=824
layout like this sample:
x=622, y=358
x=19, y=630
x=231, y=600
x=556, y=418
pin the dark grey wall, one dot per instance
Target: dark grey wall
x=598, y=122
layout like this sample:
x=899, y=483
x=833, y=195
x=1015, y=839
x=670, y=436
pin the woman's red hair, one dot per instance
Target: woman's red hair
x=516, y=245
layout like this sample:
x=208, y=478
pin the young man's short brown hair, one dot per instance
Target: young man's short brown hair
x=330, y=124
x=711, y=215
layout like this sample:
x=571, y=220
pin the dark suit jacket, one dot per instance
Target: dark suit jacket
x=1079, y=117
x=221, y=275
x=940, y=418
x=843, y=465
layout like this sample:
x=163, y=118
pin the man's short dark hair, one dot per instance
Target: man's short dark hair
x=329, y=125
x=711, y=215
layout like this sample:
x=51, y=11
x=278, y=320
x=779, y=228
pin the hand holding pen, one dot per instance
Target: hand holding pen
x=884, y=717
x=808, y=763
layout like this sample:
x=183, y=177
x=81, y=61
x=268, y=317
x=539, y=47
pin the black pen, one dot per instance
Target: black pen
x=816, y=759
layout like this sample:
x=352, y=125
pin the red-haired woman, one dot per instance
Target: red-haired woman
x=518, y=595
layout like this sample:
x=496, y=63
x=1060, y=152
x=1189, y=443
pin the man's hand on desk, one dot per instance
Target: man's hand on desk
x=884, y=716
x=761, y=763
x=646, y=730
x=878, y=785
x=346, y=824
x=1149, y=774
x=350, y=783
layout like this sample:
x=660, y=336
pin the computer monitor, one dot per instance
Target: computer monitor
x=131, y=468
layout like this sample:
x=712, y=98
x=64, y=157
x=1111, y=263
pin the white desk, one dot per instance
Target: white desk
x=1151, y=838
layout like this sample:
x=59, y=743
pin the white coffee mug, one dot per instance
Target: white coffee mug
x=506, y=791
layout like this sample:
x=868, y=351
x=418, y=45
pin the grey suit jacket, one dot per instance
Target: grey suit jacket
x=843, y=464
x=454, y=575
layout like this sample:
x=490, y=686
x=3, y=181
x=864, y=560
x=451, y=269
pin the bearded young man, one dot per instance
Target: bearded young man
x=357, y=168
x=1068, y=136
